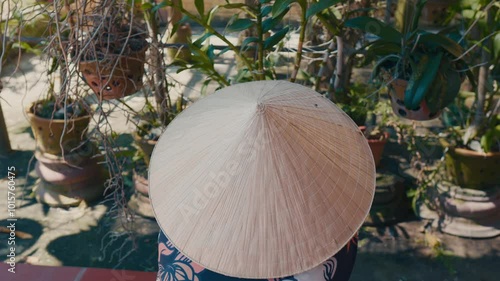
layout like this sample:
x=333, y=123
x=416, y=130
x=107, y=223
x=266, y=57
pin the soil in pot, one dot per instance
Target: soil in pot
x=54, y=134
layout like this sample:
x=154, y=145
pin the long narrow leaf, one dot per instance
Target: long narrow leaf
x=240, y=24
x=200, y=6
x=319, y=6
x=376, y=27
x=280, y=5
x=275, y=38
x=446, y=43
x=270, y=23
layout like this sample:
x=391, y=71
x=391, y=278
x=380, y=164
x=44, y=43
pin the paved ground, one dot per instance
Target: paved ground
x=92, y=236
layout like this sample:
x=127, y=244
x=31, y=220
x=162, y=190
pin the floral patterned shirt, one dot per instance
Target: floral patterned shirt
x=174, y=266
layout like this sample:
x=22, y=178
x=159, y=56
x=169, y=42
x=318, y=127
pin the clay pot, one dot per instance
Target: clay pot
x=486, y=227
x=67, y=195
x=108, y=83
x=146, y=146
x=466, y=212
x=471, y=169
x=397, y=94
x=473, y=207
x=377, y=147
x=67, y=180
x=56, y=170
x=48, y=133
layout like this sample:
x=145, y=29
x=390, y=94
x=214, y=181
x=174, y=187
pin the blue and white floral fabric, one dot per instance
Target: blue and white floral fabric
x=174, y=266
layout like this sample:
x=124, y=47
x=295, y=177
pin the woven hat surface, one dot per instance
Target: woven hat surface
x=261, y=180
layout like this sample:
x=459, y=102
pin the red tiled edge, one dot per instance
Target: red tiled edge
x=27, y=272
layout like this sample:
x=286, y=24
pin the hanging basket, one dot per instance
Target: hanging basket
x=115, y=78
x=397, y=93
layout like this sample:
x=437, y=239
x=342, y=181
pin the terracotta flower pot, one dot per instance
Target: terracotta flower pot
x=56, y=170
x=115, y=78
x=471, y=169
x=48, y=133
x=397, y=94
x=67, y=195
x=377, y=147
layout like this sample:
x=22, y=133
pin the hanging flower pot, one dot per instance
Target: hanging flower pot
x=423, y=70
x=425, y=100
x=397, y=90
x=114, y=64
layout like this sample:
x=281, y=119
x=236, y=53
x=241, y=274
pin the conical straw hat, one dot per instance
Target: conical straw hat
x=261, y=180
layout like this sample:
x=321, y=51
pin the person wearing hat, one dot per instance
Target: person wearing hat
x=263, y=180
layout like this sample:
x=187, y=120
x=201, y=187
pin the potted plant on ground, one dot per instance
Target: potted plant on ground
x=390, y=203
x=422, y=70
x=152, y=120
x=467, y=197
x=68, y=173
x=150, y=125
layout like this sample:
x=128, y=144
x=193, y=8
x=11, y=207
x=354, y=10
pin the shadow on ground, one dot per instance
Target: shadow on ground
x=27, y=233
x=406, y=266
x=104, y=247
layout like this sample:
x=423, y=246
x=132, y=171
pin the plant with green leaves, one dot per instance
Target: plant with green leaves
x=264, y=41
x=432, y=66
